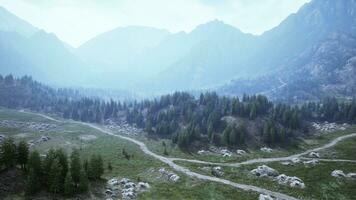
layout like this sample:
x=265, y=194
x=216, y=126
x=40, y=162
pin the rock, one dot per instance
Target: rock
x=173, y=177
x=128, y=195
x=201, y=152
x=170, y=176
x=129, y=185
x=338, y=174
x=266, y=149
x=314, y=155
x=162, y=171
x=217, y=171
x=311, y=162
x=240, y=152
x=113, y=182
x=123, y=181
x=143, y=186
x=264, y=171
x=225, y=152
x=351, y=175
x=291, y=181
x=296, y=160
x=265, y=197
x=286, y=163
x=227, y=155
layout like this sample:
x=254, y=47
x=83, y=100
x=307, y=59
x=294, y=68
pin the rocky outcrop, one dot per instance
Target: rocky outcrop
x=341, y=174
x=265, y=197
x=128, y=189
x=264, y=171
x=169, y=175
x=291, y=181
x=217, y=171
x=266, y=149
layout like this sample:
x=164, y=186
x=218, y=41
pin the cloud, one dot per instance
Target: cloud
x=76, y=21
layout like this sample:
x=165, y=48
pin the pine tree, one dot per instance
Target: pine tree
x=33, y=183
x=83, y=182
x=75, y=166
x=22, y=154
x=55, y=183
x=8, y=150
x=69, y=185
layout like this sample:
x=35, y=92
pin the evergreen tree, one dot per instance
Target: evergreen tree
x=75, y=166
x=83, y=182
x=69, y=185
x=8, y=153
x=22, y=154
x=33, y=183
x=55, y=177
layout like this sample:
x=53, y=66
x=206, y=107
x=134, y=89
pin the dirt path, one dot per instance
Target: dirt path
x=287, y=158
x=176, y=167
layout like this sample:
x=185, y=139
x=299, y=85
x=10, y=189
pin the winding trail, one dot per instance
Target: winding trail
x=176, y=167
x=287, y=158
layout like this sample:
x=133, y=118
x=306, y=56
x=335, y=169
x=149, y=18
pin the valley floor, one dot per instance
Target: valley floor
x=195, y=182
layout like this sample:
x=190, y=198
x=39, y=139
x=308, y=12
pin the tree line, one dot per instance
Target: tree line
x=55, y=172
x=181, y=116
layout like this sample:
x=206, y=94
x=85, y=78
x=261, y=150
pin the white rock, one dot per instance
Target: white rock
x=217, y=171
x=264, y=171
x=124, y=181
x=113, y=182
x=314, y=155
x=266, y=149
x=351, y=175
x=129, y=185
x=311, y=162
x=173, y=177
x=338, y=174
x=291, y=181
x=227, y=155
x=286, y=163
x=296, y=160
x=241, y=152
x=143, y=186
x=265, y=197
x=201, y=152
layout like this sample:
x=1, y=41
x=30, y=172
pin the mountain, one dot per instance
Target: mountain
x=313, y=54
x=11, y=23
x=26, y=50
x=117, y=51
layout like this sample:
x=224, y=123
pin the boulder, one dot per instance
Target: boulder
x=266, y=149
x=314, y=155
x=113, y=182
x=123, y=181
x=129, y=185
x=202, y=152
x=264, y=171
x=227, y=155
x=311, y=162
x=291, y=181
x=286, y=163
x=338, y=174
x=240, y=152
x=173, y=177
x=217, y=171
x=143, y=186
x=296, y=160
x=265, y=197
x=351, y=175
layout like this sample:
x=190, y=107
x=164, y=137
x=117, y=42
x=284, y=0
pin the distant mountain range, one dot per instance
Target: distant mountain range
x=309, y=55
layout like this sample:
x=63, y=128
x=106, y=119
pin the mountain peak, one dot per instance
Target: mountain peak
x=11, y=23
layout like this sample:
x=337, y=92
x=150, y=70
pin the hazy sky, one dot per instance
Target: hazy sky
x=76, y=21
